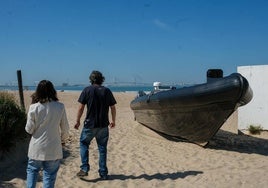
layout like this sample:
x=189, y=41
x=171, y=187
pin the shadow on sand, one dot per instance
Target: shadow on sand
x=158, y=176
x=224, y=140
x=241, y=143
x=7, y=174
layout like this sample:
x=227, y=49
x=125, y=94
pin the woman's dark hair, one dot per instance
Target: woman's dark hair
x=45, y=91
x=96, y=77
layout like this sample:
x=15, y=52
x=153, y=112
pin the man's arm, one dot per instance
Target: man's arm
x=79, y=115
x=113, y=112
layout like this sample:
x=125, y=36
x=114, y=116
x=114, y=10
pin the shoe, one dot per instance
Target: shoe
x=104, y=177
x=82, y=173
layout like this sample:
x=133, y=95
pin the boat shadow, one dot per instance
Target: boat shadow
x=240, y=142
x=158, y=176
x=224, y=140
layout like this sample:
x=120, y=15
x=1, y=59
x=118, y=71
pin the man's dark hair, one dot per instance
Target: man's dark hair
x=45, y=91
x=96, y=77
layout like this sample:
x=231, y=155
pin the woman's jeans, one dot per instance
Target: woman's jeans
x=50, y=169
x=101, y=135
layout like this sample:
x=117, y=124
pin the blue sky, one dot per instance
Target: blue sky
x=171, y=41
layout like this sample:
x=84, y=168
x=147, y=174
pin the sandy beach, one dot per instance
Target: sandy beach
x=139, y=157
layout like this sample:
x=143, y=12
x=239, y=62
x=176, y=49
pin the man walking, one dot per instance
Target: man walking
x=98, y=100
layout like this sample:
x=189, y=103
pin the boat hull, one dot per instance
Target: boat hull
x=194, y=113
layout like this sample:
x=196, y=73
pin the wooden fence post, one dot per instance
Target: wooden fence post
x=20, y=89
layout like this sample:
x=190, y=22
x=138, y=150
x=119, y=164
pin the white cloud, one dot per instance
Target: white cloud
x=161, y=24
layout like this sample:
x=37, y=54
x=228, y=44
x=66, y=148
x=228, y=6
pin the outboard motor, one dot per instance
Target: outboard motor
x=157, y=85
x=213, y=74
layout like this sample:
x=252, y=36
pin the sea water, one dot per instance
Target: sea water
x=80, y=88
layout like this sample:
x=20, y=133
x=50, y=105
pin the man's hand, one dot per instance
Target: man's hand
x=112, y=125
x=76, y=126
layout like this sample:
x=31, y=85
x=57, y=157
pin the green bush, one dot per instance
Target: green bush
x=255, y=129
x=12, y=122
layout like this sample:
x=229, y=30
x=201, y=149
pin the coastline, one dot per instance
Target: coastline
x=114, y=88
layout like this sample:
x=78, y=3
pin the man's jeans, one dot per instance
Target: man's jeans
x=50, y=169
x=101, y=135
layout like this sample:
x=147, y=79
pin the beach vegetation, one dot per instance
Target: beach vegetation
x=255, y=129
x=12, y=122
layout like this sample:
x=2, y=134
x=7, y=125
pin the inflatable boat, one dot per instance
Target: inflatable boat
x=194, y=113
